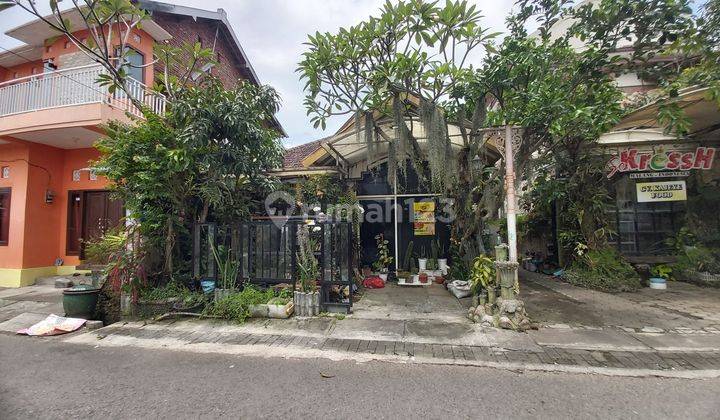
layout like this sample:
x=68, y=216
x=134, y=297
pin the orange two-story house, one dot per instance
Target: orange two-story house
x=51, y=113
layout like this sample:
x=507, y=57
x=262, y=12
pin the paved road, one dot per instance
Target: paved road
x=42, y=378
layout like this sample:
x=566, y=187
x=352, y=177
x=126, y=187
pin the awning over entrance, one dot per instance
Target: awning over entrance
x=642, y=125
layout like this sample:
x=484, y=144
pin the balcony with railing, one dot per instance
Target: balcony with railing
x=69, y=87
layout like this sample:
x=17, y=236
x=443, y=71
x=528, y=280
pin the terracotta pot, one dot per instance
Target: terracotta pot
x=439, y=279
x=424, y=278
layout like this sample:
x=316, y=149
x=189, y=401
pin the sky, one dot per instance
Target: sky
x=272, y=33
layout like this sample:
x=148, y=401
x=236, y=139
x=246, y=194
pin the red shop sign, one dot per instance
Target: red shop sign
x=632, y=160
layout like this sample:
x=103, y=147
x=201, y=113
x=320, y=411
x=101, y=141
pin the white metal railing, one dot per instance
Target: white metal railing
x=73, y=86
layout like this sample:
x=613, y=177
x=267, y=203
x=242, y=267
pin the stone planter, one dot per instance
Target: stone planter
x=492, y=296
x=422, y=264
x=383, y=276
x=501, y=253
x=193, y=308
x=258, y=311
x=307, y=304
x=281, y=311
x=153, y=308
x=127, y=309
x=507, y=273
x=267, y=310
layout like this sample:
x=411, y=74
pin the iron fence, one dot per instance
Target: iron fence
x=266, y=254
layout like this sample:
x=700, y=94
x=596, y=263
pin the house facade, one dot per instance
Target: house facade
x=655, y=175
x=413, y=217
x=51, y=113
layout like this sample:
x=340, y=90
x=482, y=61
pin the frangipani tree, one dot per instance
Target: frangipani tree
x=414, y=50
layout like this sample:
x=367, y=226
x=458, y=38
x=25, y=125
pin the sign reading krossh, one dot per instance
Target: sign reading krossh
x=648, y=192
x=633, y=160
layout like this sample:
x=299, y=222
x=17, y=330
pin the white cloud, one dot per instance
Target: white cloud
x=272, y=33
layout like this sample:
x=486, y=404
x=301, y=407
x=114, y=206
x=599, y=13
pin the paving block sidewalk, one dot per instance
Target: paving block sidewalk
x=203, y=336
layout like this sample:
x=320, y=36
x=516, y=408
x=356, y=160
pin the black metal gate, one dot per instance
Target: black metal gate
x=266, y=251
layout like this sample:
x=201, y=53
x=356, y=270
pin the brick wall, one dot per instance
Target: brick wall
x=184, y=29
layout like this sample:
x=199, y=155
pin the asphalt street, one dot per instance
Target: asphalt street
x=45, y=378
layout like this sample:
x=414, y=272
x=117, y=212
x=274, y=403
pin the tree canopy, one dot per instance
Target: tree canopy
x=206, y=160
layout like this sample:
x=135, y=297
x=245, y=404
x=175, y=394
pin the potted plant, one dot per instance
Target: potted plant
x=414, y=276
x=442, y=262
x=403, y=276
x=384, y=259
x=660, y=273
x=422, y=261
x=307, y=298
x=424, y=278
x=434, y=260
x=227, y=268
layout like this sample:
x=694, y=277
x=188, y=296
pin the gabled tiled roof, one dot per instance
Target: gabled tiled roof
x=295, y=155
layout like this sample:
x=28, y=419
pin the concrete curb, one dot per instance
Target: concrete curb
x=270, y=346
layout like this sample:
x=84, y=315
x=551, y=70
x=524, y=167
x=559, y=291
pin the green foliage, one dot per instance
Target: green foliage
x=407, y=260
x=698, y=258
x=482, y=275
x=102, y=249
x=236, y=306
x=308, y=267
x=663, y=271
x=565, y=98
x=603, y=270
x=228, y=267
x=125, y=258
x=383, y=254
x=232, y=307
x=205, y=160
x=414, y=50
x=321, y=189
x=461, y=266
x=172, y=290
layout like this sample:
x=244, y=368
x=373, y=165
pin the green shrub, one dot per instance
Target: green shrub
x=236, y=307
x=169, y=291
x=232, y=307
x=603, y=270
x=698, y=258
x=101, y=250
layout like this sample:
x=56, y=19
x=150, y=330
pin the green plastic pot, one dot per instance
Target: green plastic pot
x=80, y=301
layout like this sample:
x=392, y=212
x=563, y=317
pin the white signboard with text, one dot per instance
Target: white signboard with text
x=648, y=192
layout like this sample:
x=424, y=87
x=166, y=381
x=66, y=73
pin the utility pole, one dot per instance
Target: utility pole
x=510, y=195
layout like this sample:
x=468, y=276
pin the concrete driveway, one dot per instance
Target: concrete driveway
x=682, y=307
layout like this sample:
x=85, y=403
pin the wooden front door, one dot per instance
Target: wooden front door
x=90, y=215
x=101, y=214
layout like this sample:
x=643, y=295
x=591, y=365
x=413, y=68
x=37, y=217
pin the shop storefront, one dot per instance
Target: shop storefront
x=652, y=187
